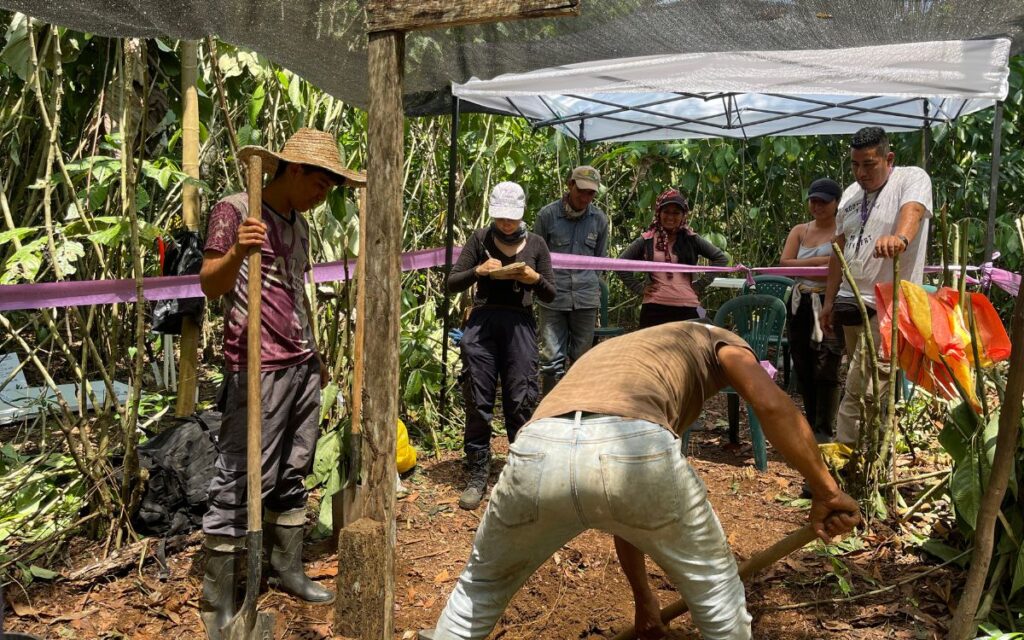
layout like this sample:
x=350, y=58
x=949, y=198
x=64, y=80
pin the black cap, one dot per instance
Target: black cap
x=825, y=189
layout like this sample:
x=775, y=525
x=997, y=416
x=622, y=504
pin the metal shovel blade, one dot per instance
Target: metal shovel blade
x=248, y=624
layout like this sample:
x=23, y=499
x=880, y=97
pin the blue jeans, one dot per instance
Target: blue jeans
x=565, y=336
x=623, y=476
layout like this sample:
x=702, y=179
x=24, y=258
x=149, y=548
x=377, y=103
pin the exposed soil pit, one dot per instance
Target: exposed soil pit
x=579, y=593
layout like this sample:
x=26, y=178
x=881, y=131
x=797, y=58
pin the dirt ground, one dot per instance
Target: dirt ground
x=578, y=593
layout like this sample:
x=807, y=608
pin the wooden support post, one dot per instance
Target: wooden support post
x=367, y=554
x=370, y=591
x=412, y=15
x=188, y=360
x=366, y=549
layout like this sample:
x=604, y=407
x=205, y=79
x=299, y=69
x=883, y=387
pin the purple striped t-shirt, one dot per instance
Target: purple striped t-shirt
x=287, y=336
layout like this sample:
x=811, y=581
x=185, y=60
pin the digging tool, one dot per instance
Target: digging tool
x=248, y=624
x=348, y=505
x=796, y=540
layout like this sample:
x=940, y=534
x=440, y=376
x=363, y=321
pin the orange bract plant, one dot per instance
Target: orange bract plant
x=936, y=345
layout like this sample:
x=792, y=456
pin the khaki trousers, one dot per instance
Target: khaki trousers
x=858, y=384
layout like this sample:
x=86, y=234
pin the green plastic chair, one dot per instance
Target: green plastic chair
x=782, y=288
x=759, y=319
x=604, y=331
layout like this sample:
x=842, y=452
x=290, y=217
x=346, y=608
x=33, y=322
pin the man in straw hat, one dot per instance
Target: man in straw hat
x=292, y=371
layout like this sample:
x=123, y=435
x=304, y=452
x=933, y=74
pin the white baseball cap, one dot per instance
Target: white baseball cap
x=508, y=201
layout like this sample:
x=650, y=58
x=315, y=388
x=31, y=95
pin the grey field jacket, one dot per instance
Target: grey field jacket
x=585, y=236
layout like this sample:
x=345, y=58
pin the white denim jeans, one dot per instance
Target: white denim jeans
x=626, y=477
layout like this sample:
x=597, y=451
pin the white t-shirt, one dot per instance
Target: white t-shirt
x=906, y=184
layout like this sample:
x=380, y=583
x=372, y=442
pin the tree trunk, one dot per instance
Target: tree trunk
x=964, y=623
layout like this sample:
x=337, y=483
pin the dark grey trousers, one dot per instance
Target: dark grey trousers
x=291, y=415
x=498, y=343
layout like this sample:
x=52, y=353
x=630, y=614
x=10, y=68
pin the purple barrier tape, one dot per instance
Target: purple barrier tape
x=1008, y=281
x=568, y=261
x=90, y=292
x=411, y=261
x=86, y=292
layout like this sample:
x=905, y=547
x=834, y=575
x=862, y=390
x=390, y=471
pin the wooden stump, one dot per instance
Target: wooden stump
x=362, y=580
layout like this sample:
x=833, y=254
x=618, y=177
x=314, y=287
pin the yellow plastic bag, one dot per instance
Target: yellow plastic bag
x=836, y=454
x=406, y=454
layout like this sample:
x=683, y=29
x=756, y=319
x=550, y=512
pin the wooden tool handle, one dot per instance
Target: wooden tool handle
x=796, y=540
x=357, y=350
x=254, y=400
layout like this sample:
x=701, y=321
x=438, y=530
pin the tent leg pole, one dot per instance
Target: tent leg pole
x=926, y=141
x=449, y=241
x=993, y=193
x=582, y=142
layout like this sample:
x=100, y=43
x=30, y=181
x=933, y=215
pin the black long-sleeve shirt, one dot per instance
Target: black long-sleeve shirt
x=503, y=293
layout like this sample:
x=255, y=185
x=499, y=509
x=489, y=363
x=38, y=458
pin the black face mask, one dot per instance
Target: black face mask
x=509, y=238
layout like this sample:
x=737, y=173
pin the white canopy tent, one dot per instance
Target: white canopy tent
x=743, y=94
x=902, y=86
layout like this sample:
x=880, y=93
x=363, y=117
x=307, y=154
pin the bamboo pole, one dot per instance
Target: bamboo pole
x=885, y=456
x=871, y=425
x=188, y=360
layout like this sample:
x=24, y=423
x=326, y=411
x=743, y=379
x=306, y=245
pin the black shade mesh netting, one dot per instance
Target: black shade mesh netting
x=324, y=40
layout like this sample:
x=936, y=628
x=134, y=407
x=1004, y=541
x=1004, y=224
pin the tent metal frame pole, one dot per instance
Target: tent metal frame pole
x=582, y=140
x=993, y=193
x=926, y=137
x=449, y=241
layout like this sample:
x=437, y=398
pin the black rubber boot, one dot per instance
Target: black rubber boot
x=825, y=415
x=286, y=566
x=478, y=467
x=220, y=580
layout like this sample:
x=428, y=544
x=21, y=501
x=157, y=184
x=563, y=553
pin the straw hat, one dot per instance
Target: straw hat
x=309, y=147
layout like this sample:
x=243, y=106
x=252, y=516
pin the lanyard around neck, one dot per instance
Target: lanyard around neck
x=865, y=210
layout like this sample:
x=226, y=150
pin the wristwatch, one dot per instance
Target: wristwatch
x=906, y=243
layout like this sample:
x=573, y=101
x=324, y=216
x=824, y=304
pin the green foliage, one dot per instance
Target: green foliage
x=39, y=496
x=970, y=441
x=746, y=195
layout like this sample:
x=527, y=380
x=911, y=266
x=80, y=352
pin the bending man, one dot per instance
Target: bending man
x=603, y=452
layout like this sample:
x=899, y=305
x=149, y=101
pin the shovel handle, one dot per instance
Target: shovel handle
x=254, y=400
x=796, y=540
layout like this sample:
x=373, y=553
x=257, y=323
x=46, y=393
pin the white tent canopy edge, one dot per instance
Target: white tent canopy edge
x=744, y=94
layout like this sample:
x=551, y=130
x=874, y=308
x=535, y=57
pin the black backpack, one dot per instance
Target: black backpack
x=181, y=462
x=183, y=256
